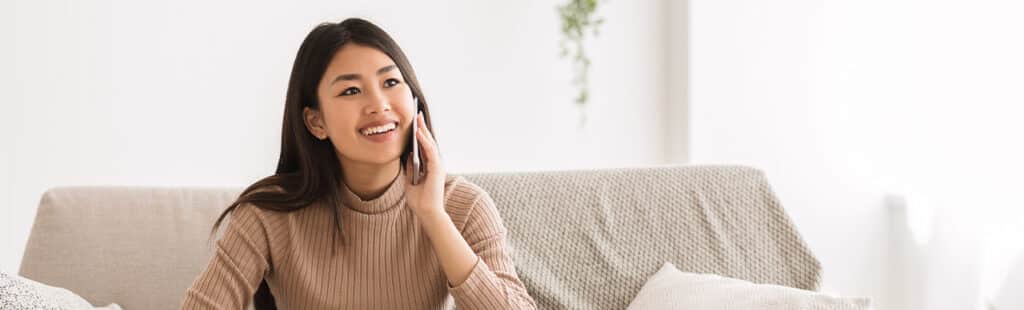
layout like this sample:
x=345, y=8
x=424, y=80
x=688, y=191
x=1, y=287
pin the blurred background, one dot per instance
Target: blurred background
x=891, y=130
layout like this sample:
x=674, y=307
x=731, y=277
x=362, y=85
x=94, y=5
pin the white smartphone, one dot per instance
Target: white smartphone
x=417, y=163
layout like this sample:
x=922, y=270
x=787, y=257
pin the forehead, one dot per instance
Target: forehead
x=357, y=59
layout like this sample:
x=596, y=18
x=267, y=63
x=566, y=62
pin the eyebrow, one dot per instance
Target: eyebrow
x=355, y=76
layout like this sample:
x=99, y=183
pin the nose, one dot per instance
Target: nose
x=378, y=103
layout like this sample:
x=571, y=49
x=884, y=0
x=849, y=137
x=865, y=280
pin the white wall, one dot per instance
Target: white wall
x=842, y=103
x=845, y=102
x=7, y=61
x=190, y=93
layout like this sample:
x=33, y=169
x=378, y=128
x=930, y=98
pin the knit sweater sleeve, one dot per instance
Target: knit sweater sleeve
x=238, y=265
x=493, y=283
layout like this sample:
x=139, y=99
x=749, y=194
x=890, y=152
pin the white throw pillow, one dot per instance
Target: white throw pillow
x=670, y=288
x=17, y=293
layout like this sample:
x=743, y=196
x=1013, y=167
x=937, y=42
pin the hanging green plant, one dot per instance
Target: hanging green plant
x=578, y=20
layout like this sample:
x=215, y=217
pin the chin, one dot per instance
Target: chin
x=381, y=160
x=372, y=158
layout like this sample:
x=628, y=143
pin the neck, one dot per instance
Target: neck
x=369, y=181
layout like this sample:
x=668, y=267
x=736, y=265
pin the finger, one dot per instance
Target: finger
x=423, y=125
x=427, y=147
x=427, y=141
x=427, y=131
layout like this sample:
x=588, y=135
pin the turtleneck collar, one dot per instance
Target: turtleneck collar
x=390, y=199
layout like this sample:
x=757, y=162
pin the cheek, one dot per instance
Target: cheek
x=404, y=107
x=339, y=120
x=406, y=112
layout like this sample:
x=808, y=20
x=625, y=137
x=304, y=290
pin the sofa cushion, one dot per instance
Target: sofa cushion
x=17, y=293
x=670, y=288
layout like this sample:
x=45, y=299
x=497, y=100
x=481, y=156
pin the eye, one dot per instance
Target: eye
x=391, y=82
x=350, y=91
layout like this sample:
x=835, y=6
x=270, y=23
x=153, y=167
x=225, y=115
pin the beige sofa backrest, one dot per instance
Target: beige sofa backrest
x=590, y=239
x=138, y=247
x=581, y=239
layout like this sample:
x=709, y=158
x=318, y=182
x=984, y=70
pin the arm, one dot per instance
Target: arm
x=240, y=262
x=477, y=261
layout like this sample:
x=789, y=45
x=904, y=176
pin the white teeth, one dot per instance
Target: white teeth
x=378, y=129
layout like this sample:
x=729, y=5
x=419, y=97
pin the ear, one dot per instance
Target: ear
x=315, y=123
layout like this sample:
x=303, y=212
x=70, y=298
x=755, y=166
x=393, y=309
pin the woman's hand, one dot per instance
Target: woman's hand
x=426, y=198
x=427, y=203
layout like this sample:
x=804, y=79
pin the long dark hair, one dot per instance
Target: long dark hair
x=308, y=170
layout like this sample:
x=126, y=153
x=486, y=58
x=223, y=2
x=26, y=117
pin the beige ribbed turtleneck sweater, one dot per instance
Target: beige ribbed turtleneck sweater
x=388, y=262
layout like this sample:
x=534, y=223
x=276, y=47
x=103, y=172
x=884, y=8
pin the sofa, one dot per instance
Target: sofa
x=583, y=239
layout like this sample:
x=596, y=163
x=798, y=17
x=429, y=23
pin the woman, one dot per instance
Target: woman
x=340, y=224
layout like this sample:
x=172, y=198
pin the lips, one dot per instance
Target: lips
x=384, y=134
x=378, y=127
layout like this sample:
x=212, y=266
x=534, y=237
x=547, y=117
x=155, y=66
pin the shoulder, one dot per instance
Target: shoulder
x=467, y=203
x=247, y=218
x=264, y=226
x=265, y=217
x=252, y=209
x=460, y=192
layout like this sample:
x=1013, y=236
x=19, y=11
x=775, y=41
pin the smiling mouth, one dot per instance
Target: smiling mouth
x=377, y=130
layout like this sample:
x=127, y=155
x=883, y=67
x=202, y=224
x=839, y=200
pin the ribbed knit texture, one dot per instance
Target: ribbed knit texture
x=387, y=263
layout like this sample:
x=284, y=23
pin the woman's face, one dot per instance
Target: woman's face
x=366, y=108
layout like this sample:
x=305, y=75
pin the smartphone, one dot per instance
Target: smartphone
x=417, y=163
